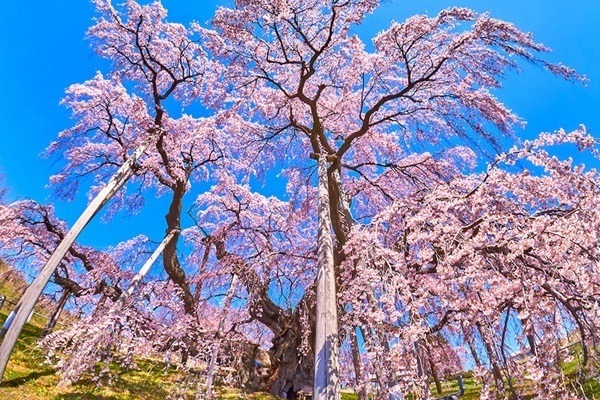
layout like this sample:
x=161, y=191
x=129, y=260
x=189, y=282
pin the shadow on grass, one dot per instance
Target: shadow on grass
x=149, y=388
x=83, y=396
x=24, y=379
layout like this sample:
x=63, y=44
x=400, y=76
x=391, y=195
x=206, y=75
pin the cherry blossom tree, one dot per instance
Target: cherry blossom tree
x=426, y=253
x=480, y=248
x=31, y=232
x=111, y=328
x=307, y=84
x=162, y=60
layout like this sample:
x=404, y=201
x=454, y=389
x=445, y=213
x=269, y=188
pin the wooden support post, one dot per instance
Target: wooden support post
x=89, y=352
x=34, y=290
x=326, y=383
x=143, y=271
x=218, y=336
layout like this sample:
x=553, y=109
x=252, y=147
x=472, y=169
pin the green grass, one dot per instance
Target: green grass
x=27, y=378
x=572, y=370
x=472, y=390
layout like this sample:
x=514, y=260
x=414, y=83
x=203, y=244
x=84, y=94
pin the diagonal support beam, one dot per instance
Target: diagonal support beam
x=34, y=290
x=135, y=282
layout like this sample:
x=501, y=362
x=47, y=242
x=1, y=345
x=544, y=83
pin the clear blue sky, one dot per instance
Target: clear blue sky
x=43, y=50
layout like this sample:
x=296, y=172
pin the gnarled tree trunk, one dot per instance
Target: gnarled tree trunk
x=170, y=259
x=290, y=370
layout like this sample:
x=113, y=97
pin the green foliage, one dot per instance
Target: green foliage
x=349, y=396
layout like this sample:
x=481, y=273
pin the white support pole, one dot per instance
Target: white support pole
x=8, y=321
x=218, y=336
x=326, y=383
x=34, y=290
x=143, y=271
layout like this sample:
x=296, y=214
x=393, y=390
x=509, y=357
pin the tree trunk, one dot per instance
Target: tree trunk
x=434, y=373
x=469, y=341
x=170, y=259
x=7, y=274
x=290, y=370
x=530, y=335
x=421, y=365
x=493, y=359
x=360, y=387
x=56, y=313
x=505, y=359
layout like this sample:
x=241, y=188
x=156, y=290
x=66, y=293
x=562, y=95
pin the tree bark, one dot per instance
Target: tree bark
x=433, y=370
x=474, y=354
x=360, y=387
x=290, y=370
x=170, y=259
x=492, y=357
x=56, y=313
x=421, y=365
x=530, y=335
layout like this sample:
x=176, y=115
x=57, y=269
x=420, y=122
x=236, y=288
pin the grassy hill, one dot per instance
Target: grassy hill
x=28, y=378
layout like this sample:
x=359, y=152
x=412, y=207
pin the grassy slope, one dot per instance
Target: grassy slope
x=571, y=368
x=28, y=378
